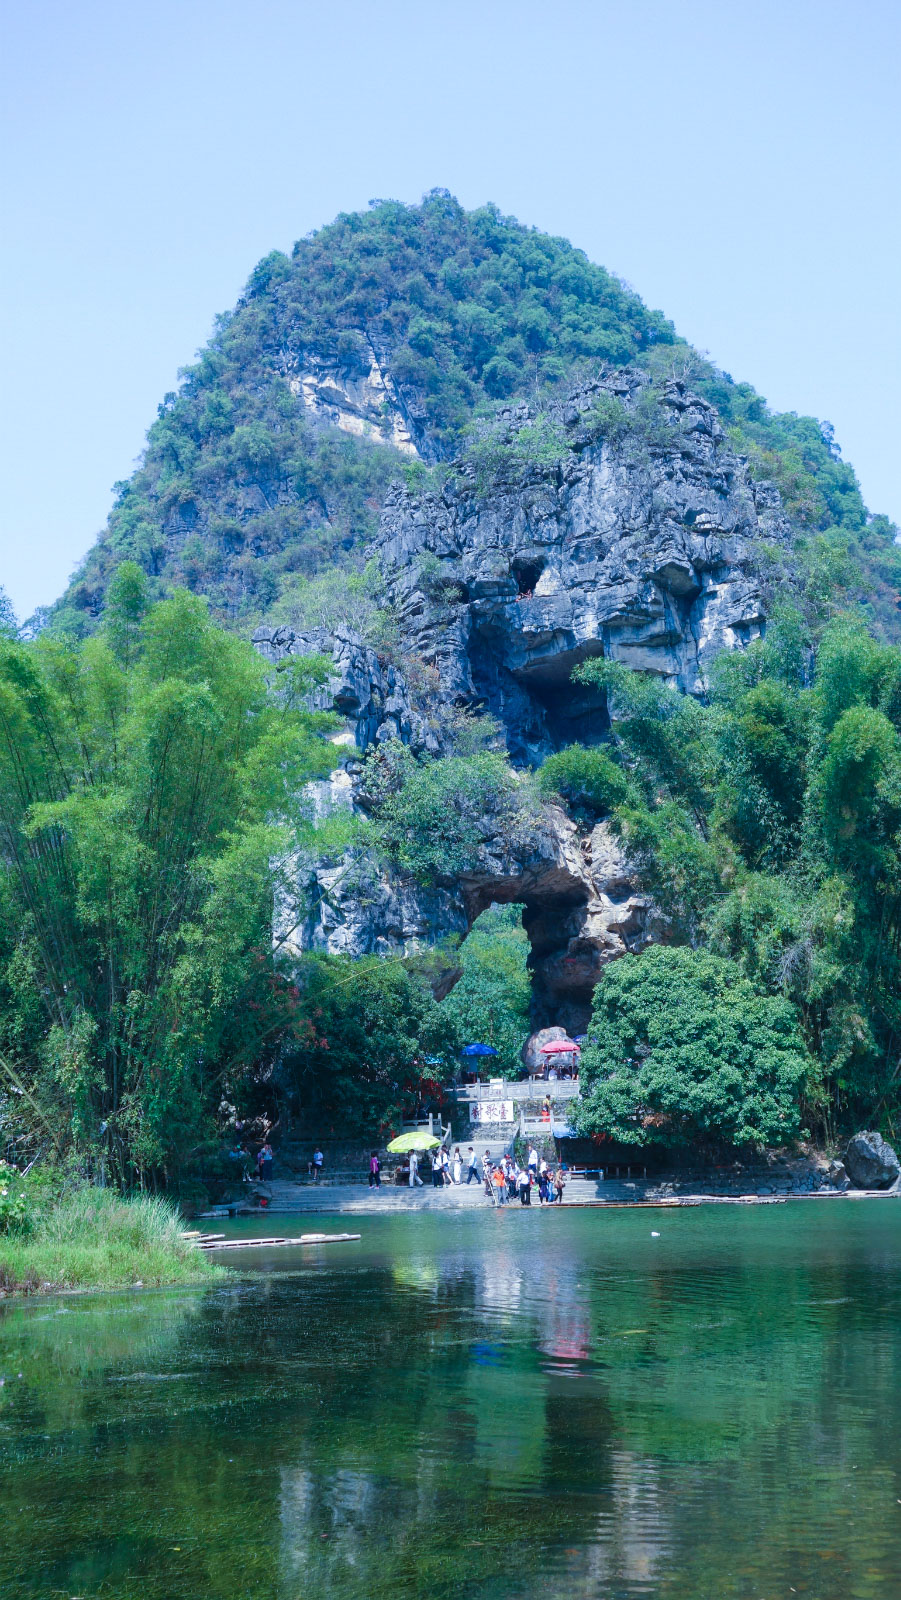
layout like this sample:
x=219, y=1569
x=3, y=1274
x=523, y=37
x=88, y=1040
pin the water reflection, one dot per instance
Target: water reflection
x=514, y=1406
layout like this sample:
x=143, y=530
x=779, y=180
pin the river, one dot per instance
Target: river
x=507, y=1405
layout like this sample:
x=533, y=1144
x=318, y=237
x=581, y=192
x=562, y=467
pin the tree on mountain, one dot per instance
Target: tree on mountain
x=490, y=1002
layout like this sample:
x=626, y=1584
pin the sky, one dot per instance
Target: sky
x=737, y=165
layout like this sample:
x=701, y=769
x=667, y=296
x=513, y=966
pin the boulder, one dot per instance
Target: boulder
x=871, y=1163
x=837, y=1175
x=532, y=1059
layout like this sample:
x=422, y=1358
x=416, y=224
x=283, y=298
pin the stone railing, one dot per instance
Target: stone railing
x=530, y=1089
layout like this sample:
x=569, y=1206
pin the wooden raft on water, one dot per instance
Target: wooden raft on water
x=218, y=1241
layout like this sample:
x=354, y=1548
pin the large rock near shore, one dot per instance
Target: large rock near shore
x=871, y=1163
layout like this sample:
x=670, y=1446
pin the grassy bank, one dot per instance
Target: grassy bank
x=96, y=1239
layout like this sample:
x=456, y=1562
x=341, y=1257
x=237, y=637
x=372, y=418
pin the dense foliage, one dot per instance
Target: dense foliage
x=148, y=780
x=490, y=1001
x=433, y=817
x=684, y=1049
x=242, y=489
x=367, y=1037
x=767, y=824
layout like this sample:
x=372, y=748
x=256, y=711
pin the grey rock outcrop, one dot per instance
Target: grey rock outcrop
x=582, y=908
x=639, y=547
x=635, y=541
x=871, y=1163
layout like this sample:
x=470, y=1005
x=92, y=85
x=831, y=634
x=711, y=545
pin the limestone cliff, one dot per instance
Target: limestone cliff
x=636, y=538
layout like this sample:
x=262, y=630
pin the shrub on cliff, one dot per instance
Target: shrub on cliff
x=684, y=1048
x=587, y=778
x=432, y=818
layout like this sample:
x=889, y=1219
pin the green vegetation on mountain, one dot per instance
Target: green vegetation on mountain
x=490, y=1002
x=767, y=826
x=152, y=768
x=243, y=489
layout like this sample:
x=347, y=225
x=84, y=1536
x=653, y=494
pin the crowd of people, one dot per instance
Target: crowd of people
x=504, y=1178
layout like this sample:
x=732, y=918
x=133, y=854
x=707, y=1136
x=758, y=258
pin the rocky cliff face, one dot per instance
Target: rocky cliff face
x=636, y=540
x=640, y=547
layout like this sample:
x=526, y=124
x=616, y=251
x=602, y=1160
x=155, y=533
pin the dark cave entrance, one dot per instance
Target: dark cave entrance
x=537, y=704
x=527, y=573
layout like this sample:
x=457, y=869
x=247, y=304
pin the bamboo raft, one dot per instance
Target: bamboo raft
x=218, y=1241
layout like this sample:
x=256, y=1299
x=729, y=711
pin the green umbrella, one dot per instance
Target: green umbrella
x=412, y=1141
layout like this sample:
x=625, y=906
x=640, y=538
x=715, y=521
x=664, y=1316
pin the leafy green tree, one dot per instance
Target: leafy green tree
x=489, y=1003
x=367, y=1039
x=148, y=780
x=9, y=626
x=766, y=825
x=683, y=1048
x=588, y=779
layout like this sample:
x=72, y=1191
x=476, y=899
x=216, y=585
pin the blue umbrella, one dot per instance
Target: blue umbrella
x=478, y=1050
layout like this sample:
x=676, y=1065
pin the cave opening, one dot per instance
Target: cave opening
x=527, y=574
x=539, y=707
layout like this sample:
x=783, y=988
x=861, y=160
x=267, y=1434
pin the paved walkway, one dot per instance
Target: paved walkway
x=359, y=1199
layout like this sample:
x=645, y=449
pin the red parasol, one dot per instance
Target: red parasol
x=560, y=1047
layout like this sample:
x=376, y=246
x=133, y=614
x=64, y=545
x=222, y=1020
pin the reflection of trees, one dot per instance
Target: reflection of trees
x=557, y=1414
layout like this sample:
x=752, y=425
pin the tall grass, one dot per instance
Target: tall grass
x=96, y=1238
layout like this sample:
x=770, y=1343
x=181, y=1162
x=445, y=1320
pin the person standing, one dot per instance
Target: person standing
x=559, y=1185
x=318, y=1159
x=472, y=1170
x=445, y=1167
x=525, y=1187
x=375, y=1171
x=265, y=1163
x=414, y=1169
x=499, y=1179
x=486, y=1172
x=458, y=1166
x=533, y=1162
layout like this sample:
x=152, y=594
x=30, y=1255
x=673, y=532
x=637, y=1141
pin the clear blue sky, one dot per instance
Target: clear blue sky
x=737, y=164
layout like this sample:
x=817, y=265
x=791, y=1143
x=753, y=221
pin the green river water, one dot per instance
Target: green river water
x=498, y=1404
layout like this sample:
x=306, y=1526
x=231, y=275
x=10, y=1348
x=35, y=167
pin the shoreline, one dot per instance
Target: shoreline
x=357, y=1200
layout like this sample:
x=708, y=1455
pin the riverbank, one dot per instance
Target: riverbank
x=354, y=1199
x=98, y=1239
